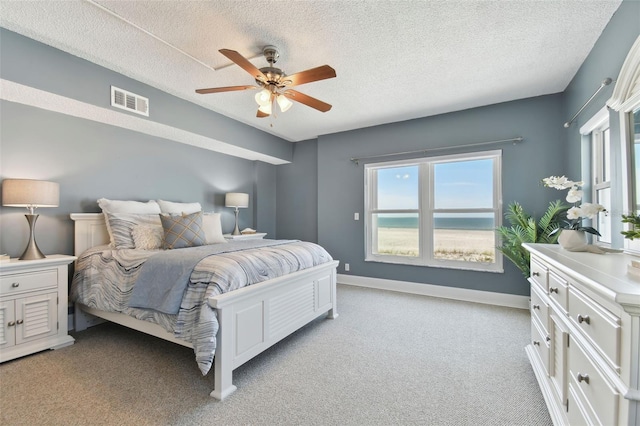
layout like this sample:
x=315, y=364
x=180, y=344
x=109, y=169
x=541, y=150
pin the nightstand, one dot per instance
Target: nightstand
x=33, y=305
x=256, y=236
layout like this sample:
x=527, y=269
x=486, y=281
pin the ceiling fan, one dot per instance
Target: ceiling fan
x=275, y=84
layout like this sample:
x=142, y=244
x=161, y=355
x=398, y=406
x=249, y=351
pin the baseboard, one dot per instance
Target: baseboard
x=467, y=295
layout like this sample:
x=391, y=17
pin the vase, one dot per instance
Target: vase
x=572, y=240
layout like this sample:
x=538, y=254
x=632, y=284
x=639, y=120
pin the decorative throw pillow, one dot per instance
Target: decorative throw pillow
x=122, y=224
x=147, y=237
x=213, y=228
x=182, y=231
x=178, y=208
x=125, y=206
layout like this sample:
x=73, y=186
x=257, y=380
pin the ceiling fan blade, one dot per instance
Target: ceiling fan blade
x=261, y=114
x=314, y=74
x=224, y=89
x=294, y=95
x=243, y=63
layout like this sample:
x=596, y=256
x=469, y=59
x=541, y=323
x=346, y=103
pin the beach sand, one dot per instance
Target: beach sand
x=454, y=244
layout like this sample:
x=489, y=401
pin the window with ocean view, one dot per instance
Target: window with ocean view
x=435, y=211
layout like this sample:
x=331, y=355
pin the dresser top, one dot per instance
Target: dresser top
x=606, y=274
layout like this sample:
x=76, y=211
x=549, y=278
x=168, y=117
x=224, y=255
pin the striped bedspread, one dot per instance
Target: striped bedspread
x=104, y=279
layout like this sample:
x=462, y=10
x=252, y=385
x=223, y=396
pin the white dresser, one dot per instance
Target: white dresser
x=585, y=336
x=33, y=305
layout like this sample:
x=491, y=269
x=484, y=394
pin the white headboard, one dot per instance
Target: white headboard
x=90, y=230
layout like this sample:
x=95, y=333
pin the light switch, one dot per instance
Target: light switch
x=356, y=216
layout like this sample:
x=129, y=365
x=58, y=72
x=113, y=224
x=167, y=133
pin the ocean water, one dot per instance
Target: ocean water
x=470, y=223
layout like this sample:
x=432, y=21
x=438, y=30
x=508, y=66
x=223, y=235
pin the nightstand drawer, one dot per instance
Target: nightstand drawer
x=600, y=326
x=17, y=283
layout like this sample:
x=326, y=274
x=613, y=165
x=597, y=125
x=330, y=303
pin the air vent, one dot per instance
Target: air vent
x=129, y=101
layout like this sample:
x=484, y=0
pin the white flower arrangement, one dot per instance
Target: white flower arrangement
x=576, y=213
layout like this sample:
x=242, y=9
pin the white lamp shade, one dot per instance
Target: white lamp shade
x=236, y=199
x=263, y=97
x=30, y=193
x=265, y=108
x=284, y=103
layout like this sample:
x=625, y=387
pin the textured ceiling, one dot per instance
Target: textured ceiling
x=395, y=60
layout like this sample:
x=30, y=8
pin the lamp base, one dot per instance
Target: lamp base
x=236, y=231
x=32, y=251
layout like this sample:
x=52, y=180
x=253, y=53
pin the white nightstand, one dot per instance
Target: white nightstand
x=256, y=236
x=33, y=305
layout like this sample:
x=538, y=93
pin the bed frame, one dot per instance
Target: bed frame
x=251, y=319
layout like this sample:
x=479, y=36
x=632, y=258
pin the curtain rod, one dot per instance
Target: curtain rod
x=607, y=81
x=514, y=140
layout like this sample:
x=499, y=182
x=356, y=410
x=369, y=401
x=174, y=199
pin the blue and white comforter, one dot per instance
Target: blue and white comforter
x=104, y=279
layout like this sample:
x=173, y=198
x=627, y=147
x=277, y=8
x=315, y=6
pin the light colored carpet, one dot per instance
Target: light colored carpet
x=389, y=359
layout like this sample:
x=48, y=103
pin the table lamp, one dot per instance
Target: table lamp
x=30, y=194
x=237, y=200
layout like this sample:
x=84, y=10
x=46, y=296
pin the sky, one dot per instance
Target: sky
x=460, y=184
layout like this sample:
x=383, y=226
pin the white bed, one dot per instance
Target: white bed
x=251, y=319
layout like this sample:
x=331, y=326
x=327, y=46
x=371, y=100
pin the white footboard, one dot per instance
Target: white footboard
x=254, y=318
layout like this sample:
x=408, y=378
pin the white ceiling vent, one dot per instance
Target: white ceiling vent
x=129, y=101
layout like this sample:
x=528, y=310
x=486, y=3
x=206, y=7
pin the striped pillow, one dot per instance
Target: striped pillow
x=182, y=231
x=122, y=224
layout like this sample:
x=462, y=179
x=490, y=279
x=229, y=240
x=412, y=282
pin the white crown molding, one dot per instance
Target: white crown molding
x=463, y=294
x=26, y=95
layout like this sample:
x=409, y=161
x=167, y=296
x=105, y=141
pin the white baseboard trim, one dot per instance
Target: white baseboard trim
x=467, y=295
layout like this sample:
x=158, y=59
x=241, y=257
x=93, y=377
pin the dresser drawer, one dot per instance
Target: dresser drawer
x=539, y=308
x=558, y=290
x=591, y=389
x=540, y=342
x=539, y=274
x=598, y=325
x=26, y=281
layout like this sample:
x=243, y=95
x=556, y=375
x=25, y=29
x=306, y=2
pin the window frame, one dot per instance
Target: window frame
x=426, y=210
x=598, y=177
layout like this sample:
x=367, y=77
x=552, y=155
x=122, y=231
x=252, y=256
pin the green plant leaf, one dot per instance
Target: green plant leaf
x=525, y=229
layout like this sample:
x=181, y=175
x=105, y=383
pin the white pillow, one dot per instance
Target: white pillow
x=122, y=206
x=125, y=206
x=212, y=228
x=178, y=208
x=147, y=237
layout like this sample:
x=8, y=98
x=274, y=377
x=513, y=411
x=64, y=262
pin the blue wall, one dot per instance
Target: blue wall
x=604, y=60
x=548, y=149
x=90, y=159
x=341, y=182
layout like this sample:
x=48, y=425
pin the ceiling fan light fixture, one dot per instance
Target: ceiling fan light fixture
x=284, y=103
x=265, y=108
x=263, y=97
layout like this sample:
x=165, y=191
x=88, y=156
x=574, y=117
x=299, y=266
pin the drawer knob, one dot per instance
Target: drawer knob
x=19, y=322
x=536, y=343
x=536, y=274
x=11, y=323
x=15, y=285
x=584, y=319
x=553, y=290
x=582, y=378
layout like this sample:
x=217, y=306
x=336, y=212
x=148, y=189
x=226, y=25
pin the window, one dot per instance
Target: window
x=435, y=211
x=601, y=161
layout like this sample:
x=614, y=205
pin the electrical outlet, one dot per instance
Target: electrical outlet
x=346, y=267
